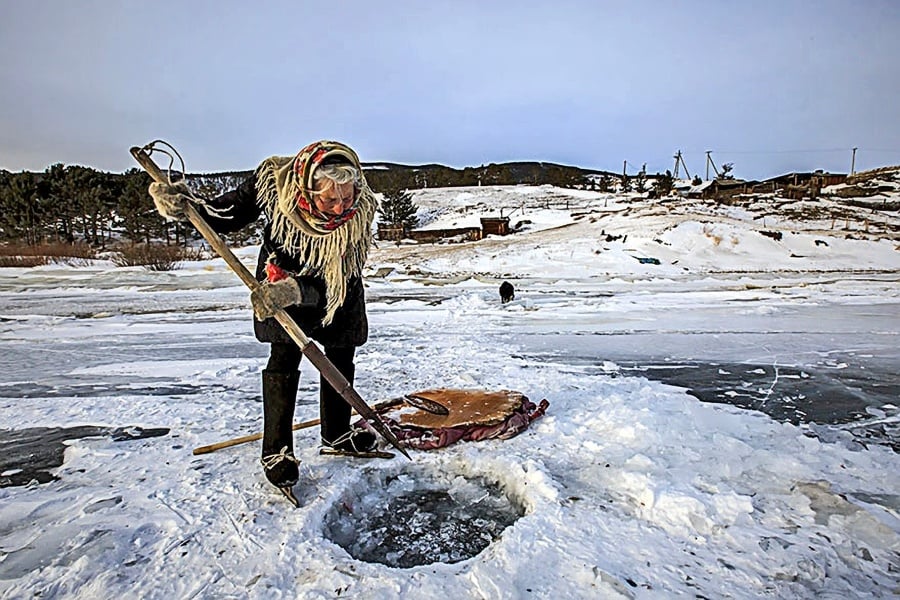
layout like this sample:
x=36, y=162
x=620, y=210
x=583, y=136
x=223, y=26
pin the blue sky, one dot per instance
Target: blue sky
x=769, y=86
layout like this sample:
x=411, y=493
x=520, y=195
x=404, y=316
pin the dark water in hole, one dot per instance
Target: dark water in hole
x=404, y=525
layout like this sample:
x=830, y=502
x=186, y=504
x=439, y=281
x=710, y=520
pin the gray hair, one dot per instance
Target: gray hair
x=338, y=173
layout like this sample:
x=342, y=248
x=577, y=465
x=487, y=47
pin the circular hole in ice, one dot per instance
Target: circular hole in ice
x=416, y=518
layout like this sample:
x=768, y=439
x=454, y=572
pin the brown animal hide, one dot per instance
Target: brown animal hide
x=472, y=415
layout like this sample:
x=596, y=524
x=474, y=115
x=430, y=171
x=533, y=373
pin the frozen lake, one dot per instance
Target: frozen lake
x=802, y=351
x=712, y=500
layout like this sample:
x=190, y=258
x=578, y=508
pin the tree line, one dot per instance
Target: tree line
x=387, y=177
x=68, y=204
x=74, y=203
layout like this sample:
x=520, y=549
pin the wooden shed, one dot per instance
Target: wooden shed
x=824, y=179
x=470, y=234
x=391, y=233
x=495, y=225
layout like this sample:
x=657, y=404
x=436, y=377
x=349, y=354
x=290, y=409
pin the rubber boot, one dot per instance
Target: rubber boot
x=335, y=412
x=279, y=396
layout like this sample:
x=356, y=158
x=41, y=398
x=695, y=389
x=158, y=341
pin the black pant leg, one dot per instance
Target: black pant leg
x=284, y=358
x=333, y=409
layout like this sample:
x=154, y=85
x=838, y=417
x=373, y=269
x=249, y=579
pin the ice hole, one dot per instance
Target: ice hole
x=416, y=518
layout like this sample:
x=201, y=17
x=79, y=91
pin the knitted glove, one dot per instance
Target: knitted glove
x=269, y=297
x=170, y=199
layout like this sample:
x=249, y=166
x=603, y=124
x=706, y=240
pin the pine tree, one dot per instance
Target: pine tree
x=137, y=216
x=640, y=180
x=664, y=184
x=398, y=210
x=52, y=188
x=22, y=212
x=605, y=184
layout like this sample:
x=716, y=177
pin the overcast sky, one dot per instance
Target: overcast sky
x=769, y=86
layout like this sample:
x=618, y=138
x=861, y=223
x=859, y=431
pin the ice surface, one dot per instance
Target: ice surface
x=629, y=487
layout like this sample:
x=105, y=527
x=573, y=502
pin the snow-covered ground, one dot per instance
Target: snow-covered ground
x=629, y=486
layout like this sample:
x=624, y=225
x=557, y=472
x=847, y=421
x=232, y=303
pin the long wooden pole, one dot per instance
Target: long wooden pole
x=419, y=402
x=309, y=349
x=249, y=438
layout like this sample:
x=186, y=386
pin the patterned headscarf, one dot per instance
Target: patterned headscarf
x=332, y=247
x=305, y=164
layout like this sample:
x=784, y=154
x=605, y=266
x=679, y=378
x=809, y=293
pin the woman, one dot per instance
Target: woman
x=319, y=211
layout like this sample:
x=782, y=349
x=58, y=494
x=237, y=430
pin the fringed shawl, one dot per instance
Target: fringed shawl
x=336, y=252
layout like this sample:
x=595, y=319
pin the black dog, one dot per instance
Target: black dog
x=507, y=292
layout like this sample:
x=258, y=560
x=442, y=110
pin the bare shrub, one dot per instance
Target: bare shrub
x=23, y=261
x=153, y=257
x=49, y=249
x=193, y=254
x=24, y=255
x=78, y=250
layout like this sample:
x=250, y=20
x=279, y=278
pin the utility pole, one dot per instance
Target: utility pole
x=624, y=167
x=680, y=159
x=853, y=161
x=709, y=161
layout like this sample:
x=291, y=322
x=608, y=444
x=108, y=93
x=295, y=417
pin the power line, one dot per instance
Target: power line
x=782, y=151
x=806, y=151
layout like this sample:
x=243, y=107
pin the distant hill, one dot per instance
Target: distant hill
x=396, y=176
x=385, y=175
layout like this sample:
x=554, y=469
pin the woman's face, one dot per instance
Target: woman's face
x=333, y=198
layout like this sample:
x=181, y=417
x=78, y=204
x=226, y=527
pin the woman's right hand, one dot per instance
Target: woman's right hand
x=270, y=297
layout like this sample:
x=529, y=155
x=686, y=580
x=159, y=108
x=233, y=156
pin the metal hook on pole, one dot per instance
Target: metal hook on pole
x=165, y=148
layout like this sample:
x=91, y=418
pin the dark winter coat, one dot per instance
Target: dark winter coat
x=350, y=327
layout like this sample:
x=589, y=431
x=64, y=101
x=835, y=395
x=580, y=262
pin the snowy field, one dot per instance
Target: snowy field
x=629, y=487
